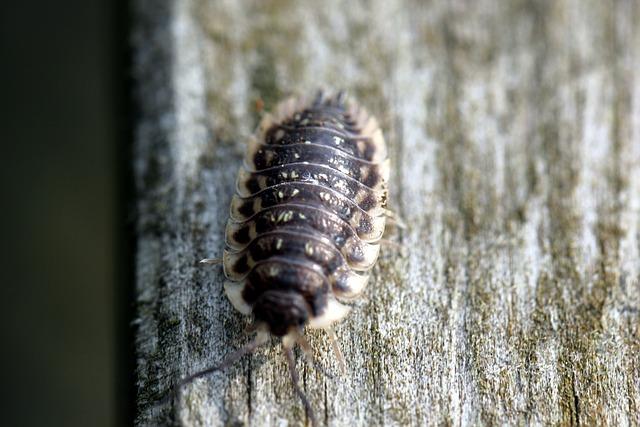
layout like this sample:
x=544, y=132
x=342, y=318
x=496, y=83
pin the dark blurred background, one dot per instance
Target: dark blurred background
x=66, y=275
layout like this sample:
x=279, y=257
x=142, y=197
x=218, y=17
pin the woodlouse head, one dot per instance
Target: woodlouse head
x=281, y=311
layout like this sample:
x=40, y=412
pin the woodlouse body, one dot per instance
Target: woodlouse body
x=305, y=224
x=306, y=221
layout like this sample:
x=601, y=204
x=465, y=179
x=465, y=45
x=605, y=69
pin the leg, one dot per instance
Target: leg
x=395, y=219
x=336, y=349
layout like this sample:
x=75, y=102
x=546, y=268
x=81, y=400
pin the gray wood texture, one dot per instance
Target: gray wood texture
x=514, y=132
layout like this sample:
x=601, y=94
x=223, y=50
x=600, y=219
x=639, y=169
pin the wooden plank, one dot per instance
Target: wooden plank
x=514, y=131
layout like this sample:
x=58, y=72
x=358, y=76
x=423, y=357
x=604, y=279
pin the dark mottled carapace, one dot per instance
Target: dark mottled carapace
x=305, y=224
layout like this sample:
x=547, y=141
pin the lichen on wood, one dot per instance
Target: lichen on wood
x=514, y=132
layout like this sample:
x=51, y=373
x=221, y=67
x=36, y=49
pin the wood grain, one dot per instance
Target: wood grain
x=514, y=130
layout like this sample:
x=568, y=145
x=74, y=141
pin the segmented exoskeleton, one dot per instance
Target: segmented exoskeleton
x=306, y=221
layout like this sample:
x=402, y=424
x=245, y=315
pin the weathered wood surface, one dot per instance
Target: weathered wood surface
x=514, y=130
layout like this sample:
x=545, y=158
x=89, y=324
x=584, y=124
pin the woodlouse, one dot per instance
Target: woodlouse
x=306, y=222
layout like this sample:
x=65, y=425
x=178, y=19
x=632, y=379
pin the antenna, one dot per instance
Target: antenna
x=231, y=358
x=294, y=381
